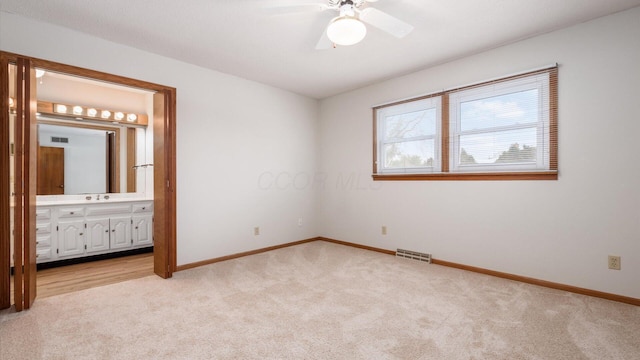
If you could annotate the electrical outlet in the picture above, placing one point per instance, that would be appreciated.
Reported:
(384, 230)
(614, 262)
(256, 230)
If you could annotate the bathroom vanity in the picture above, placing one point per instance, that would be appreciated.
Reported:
(73, 229)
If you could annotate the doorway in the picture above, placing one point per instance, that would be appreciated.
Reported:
(50, 170)
(164, 198)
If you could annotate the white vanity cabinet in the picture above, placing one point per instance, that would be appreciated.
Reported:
(121, 237)
(70, 228)
(70, 237)
(116, 218)
(71, 231)
(142, 224)
(44, 251)
(97, 235)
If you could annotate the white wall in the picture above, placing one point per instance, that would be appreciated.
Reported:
(85, 157)
(229, 132)
(561, 231)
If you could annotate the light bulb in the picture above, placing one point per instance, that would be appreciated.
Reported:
(346, 30)
(11, 102)
(62, 109)
(39, 73)
(92, 112)
(132, 117)
(105, 114)
(77, 110)
(118, 116)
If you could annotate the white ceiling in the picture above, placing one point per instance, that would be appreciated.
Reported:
(243, 38)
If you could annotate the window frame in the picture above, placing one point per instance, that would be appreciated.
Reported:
(425, 103)
(548, 170)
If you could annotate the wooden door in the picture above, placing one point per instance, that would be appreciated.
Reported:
(6, 189)
(25, 174)
(164, 179)
(50, 170)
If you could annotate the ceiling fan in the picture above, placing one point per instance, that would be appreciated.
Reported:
(348, 27)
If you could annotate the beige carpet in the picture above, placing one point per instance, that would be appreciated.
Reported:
(322, 301)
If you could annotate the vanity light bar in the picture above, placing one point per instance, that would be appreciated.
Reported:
(90, 113)
(78, 110)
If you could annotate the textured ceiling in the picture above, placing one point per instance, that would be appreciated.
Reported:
(245, 38)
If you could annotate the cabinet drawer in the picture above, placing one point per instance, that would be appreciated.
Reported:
(43, 255)
(43, 214)
(108, 210)
(143, 207)
(43, 227)
(65, 212)
(43, 241)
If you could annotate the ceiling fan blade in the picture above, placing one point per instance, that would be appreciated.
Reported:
(324, 43)
(385, 22)
(291, 8)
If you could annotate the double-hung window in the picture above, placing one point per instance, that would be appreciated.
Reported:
(410, 137)
(502, 129)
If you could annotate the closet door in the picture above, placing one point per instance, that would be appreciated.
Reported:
(24, 183)
(164, 178)
(18, 139)
(7, 74)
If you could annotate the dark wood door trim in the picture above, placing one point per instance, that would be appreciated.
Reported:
(5, 187)
(30, 183)
(164, 177)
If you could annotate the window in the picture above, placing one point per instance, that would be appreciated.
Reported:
(409, 137)
(503, 129)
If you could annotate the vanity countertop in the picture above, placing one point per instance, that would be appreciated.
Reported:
(93, 201)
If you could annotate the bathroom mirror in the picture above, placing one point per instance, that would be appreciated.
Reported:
(88, 153)
(76, 159)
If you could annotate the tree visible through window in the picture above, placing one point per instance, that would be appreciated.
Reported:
(410, 137)
(503, 127)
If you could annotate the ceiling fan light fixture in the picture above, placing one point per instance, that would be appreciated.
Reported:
(346, 30)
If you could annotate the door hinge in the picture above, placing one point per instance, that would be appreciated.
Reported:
(57, 229)
(85, 225)
(85, 246)
(57, 251)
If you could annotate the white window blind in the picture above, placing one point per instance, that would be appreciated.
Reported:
(502, 126)
(409, 137)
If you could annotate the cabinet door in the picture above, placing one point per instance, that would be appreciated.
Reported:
(142, 230)
(70, 238)
(43, 248)
(97, 235)
(120, 232)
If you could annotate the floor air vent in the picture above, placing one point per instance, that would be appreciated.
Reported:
(413, 255)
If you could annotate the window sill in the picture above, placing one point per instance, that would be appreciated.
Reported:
(538, 175)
